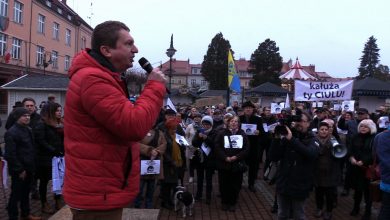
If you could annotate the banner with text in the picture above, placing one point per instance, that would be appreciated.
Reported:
(322, 91)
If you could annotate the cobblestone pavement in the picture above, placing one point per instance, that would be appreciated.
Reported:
(250, 206)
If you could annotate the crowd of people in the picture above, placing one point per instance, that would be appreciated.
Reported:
(31, 141)
(306, 155)
(103, 136)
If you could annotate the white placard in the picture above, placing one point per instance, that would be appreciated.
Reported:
(276, 108)
(237, 141)
(4, 173)
(150, 167)
(181, 140)
(58, 174)
(348, 106)
(249, 129)
(265, 127)
(272, 127)
(171, 105)
(322, 91)
(337, 107)
(383, 122)
(205, 149)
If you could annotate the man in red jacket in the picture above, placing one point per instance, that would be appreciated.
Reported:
(102, 126)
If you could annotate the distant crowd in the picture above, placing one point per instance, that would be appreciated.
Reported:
(316, 149)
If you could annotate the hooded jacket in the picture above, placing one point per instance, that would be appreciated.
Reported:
(101, 130)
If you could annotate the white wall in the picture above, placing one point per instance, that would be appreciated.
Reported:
(371, 103)
(38, 96)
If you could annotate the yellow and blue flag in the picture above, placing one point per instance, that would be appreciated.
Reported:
(233, 78)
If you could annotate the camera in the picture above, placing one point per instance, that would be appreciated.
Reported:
(280, 129)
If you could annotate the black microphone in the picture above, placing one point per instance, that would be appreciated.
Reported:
(148, 67)
(145, 65)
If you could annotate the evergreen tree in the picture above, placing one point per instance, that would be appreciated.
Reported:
(265, 64)
(215, 63)
(370, 59)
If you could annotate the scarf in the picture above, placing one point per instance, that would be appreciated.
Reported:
(176, 155)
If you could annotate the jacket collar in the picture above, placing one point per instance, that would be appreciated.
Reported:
(102, 60)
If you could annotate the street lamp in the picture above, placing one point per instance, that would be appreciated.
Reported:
(170, 52)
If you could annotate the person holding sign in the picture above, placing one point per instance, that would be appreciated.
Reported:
(255, 133)
(231, 149)
(204, 142)
(152, 147)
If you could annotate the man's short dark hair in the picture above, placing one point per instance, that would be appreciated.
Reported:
(28, 99)
(107, 34)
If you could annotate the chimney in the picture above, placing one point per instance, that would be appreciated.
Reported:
(63, 1)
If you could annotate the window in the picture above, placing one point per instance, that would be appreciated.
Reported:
(16, 45)
(203, 82)
(3, 44)
(69, 17)
(4, 8)
(40, 55)
(54, 59)
(67, 62)
(41, 24)
(67, 37)
(193, 82)
(179, 81)
(83, 43)
(18, 12)
(56, 31)
(59, 10)
(48, 3)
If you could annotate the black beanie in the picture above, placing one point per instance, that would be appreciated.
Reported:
(19, 112)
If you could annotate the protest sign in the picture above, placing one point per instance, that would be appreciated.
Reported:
(322, 91)
(383, 122)
(276, 108)
(205, 149)
(237, 141)
(249, 129)
(181, 140)
(348, 106)
(150, 167)
(337, 107)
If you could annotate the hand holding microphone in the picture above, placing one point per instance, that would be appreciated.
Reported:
(154, 74)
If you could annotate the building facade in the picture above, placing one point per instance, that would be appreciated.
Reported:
(38, 37)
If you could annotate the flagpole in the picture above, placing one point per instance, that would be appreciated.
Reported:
(228, 86)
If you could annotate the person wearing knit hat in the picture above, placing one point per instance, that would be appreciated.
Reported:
(207, 119)
(204, 143)
(20, 155)
(361, 158)
(19, 112)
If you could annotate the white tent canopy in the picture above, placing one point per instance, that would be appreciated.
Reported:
(297, 72)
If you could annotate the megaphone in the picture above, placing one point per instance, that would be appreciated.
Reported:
(338, 150)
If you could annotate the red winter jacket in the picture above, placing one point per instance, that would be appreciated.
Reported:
(101, 130)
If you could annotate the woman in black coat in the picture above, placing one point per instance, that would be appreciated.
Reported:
(49, 139)
(204, 143)
(231, 149)
(361, 158)
(328, 172)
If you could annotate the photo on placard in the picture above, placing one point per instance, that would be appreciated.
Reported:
(275, 108)
(348, 106)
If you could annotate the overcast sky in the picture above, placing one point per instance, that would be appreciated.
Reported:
(330, 34)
